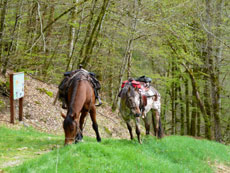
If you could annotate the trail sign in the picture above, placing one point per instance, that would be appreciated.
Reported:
(16, 92)
(18, 83)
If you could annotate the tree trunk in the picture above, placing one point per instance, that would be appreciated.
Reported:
(72, 32)
(75, 42)
(87, 34)
(128, 54)
(193, 116)
(208, 133)
(94, 34)
(214, 77)
(173, 89)
(198, 123)
(2, 27)
(122, 72)
(215, 73)
(187, 107)
(181, 112)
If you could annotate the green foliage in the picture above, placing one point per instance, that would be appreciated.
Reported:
(171, 154)
(43, 90)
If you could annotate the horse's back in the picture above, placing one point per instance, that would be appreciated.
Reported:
(81, 93)
(85, 92)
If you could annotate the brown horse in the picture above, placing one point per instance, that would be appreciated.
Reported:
(80, 101)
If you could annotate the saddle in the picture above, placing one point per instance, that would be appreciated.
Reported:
(145, 90)
(80, 74)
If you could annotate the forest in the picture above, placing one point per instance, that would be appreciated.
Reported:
(182, 45)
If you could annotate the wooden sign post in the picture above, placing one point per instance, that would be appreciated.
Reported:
(16, 92)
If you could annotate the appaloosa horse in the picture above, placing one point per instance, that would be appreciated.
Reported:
(80, 101)
(136, 101)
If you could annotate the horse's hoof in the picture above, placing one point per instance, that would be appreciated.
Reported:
(78, 141)
(99, 104)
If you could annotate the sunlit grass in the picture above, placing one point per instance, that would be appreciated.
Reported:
(19, 145)
(171, 154)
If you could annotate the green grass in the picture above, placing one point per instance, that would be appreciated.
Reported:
(26, 143)
(171, 154)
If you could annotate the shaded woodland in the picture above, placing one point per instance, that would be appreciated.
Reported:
(182, 45)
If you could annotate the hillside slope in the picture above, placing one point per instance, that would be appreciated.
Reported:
(40, 113)
(170, 154)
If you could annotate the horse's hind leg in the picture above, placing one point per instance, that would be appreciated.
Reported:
(147, 125)
(153, 122)
(95, 126)
(138, 132)
(157, 124)
(130, 129)
(79, 136)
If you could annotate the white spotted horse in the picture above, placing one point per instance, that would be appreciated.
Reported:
(137, 100)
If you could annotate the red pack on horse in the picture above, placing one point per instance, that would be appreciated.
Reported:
(80, 99)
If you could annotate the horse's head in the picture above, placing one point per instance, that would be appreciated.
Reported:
(70, 129)
(132, 99)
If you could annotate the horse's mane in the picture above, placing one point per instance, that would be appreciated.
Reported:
(75, 85)
(125, 90)
(67, 122)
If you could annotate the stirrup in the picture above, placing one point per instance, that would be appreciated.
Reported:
(100, 103)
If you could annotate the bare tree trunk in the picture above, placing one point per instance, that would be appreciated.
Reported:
(11, 47)
(21, 5)
(87, 34)
(194, 111)
(72, 32)
(128, 54)
(163, 114)
(198, 123)
(94, 34)
(121, 74)
(181, 111)
(74, 59)
(214, 76)
(215, 73)
(134, 25)
(208, 133)
(2, 27)
(187, 107)
(129, 65)
(173, 88)
(48, 41)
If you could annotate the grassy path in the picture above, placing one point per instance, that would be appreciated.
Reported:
(17, 146)
(171, 154)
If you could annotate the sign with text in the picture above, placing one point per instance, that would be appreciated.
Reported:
(18, 85)
(16, 92)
